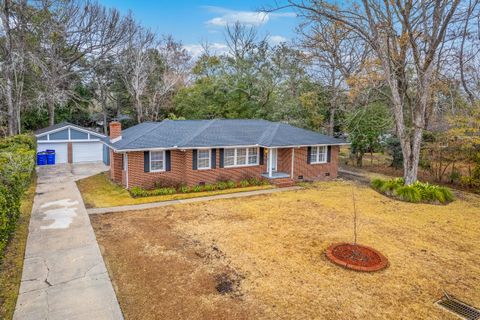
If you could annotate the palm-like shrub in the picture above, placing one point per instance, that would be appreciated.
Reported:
(408, 193)
(417, 192)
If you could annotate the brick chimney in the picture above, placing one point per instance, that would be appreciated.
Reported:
(115, 130)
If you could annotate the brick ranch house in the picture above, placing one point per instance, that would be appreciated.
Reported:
(195, 152)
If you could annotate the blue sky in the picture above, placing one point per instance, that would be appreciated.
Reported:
(195, 22)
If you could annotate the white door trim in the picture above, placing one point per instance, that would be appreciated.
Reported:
(272, 161)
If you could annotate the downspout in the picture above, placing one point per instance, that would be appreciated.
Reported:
(126, 170)
(293, 157)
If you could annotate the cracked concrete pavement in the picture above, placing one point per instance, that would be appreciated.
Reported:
(64, 276)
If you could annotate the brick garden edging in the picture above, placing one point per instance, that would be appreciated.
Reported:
(367, 267)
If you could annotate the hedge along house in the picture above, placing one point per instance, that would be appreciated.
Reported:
(72, 143)
(195, 152)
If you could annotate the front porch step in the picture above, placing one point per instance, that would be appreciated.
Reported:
(282, 182)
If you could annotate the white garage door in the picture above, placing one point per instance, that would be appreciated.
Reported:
(87, 151)
(61, 150)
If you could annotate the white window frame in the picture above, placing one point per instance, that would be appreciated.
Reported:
(235, 165)
(150, 161)
(209, 159)
(316, 153)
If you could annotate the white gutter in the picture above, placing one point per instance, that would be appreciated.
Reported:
(224, 147)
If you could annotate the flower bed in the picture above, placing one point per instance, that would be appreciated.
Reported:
(418, 192)
(356, 257)
(138, 192)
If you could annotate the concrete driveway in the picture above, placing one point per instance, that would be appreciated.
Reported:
(64, 276)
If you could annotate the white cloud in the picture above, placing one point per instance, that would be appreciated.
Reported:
(276, 40)
(216, 48)
(243, 17)
(251, 18)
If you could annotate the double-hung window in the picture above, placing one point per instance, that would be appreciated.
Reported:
(241, 157)
(238, 157)
(203, 159)
(252, 155)
(157, 161)
(229, 157)
(319, 154)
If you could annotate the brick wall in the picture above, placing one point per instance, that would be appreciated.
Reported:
(116, 166)
(182, 170)
(194, 177)
(284, 160)
(315, 171)
(137, 176)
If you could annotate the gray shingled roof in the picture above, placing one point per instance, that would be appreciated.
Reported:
(62, 125)
(170, 134)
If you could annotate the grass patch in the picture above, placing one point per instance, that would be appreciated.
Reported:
(168, 263)
(99, 191)
(423, 192)
(11, 265)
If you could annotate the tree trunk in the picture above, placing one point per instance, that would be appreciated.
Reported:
(331, 122)
(7, 67)
(139, 108)
(104, 109)
(411, 156)
(359, 158)
(12, 119)
(105, 126)
(51, 112)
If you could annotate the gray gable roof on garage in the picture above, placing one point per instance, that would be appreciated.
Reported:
(173, 134)
(59, 126)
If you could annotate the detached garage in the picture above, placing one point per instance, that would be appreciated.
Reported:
(72, 143)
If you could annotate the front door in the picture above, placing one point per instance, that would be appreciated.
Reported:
(272, 155)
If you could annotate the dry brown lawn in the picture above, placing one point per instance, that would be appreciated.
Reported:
(267, 253)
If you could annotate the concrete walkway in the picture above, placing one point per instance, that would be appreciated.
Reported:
(64, 276)
(191, 200)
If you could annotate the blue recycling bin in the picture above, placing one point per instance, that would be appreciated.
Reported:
(50, 156)
(41, 158)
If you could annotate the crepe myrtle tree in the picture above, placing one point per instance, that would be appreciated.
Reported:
(410, 39)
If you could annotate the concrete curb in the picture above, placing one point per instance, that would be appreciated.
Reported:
(151, 205)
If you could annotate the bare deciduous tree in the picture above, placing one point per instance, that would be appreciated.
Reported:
(72, 34)
(136, 66)
(469, 48)
(172, 67)
(407, 38)
(336, 53)
(12, 16)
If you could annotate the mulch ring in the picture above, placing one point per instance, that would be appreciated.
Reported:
(356, 257)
